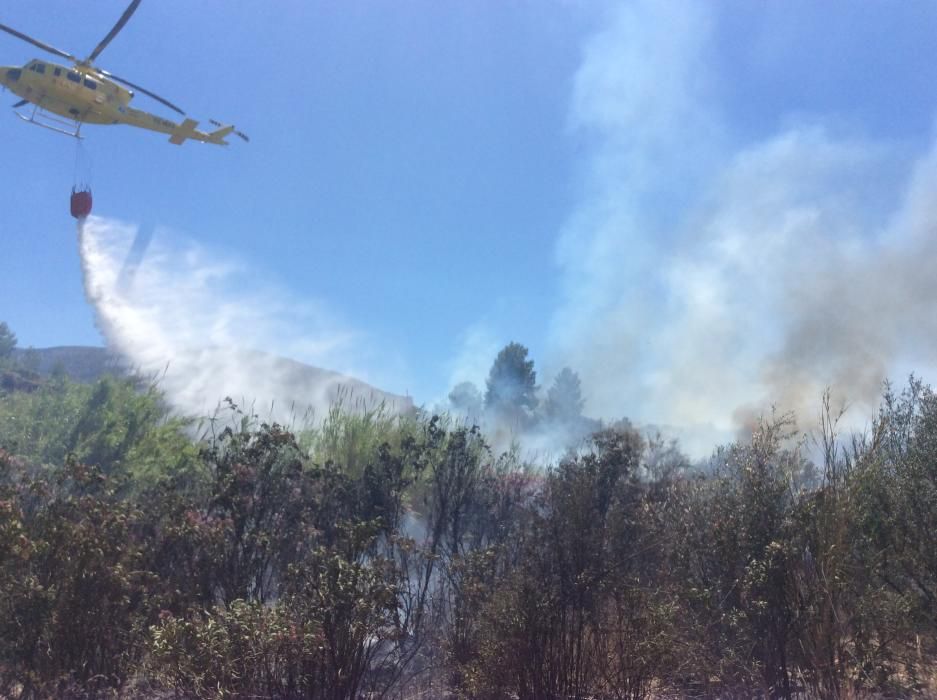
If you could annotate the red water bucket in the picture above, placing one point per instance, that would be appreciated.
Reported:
(81, 203)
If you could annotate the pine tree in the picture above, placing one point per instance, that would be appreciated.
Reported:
(564, 400)
(7, 341)
(512, 381)
(465, 398)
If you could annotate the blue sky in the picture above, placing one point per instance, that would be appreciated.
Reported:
(439, 178)
(407, 161)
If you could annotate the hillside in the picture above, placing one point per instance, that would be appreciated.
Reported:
(299, 383)
(79, 363)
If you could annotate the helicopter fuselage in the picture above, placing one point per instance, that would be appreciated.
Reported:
(66, 98)
(84, 96)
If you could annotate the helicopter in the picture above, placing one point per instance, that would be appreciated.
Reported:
(65, 98)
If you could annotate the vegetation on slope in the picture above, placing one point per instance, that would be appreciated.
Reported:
(378, 556)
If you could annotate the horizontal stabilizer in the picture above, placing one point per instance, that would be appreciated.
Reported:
(186, 130)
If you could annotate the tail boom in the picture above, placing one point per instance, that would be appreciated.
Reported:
(178, 133)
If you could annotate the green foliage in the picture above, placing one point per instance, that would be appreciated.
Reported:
(907, 465)
(512, 381)
(579, 559)
(564, 399)
(7, 342)
(242, 650)
(111, 425)
(15, 375)
(37, 425)
(377, 556)
(258, 498)
(352, 435)
(73, 591)
(466, 400)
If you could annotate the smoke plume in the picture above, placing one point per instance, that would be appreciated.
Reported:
(706, 280)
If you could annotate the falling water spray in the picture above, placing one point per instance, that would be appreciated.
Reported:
(178, 314)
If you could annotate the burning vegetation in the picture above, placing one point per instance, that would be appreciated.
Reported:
(399, 556)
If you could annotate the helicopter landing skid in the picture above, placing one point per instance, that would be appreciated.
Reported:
(52, 122)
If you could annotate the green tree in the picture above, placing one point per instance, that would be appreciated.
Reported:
(466, 399)
(564, 399)
(512, 381)
(7, 341)
(16, 376)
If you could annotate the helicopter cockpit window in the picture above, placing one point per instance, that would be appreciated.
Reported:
(74, 77)
(14, 74)
(91, 84)
(58, 72)
(40, 67)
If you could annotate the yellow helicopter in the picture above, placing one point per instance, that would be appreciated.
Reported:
(64, 99)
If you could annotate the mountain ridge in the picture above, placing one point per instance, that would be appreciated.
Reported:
(87, 364)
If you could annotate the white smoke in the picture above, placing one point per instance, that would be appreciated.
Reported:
(702, 279)
(191, 320)
(704, 282)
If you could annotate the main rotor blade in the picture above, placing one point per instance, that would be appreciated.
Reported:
(143, 90)
(128, 13)
(36, 42)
